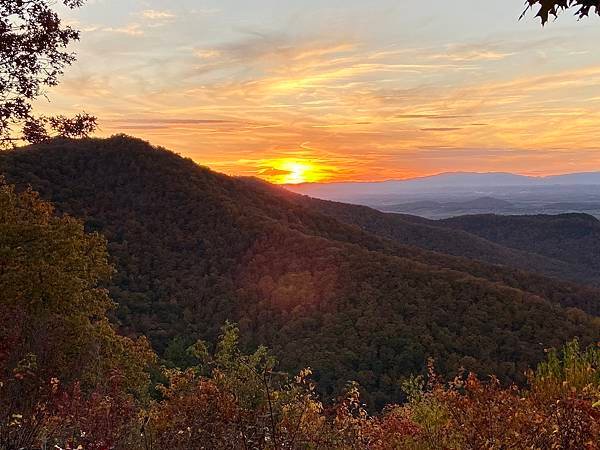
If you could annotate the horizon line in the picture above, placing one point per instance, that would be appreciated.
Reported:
(459, 172)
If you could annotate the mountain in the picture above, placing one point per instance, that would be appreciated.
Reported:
(340, 191)
(563, 246)
(572, 238)
(458, 182)
(432, 209)
(587, 179)
(194, 248)
(469, 179)
(441, 237)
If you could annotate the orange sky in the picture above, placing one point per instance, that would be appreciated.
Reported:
(332, 91)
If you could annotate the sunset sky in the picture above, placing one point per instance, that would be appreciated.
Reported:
(332, 90)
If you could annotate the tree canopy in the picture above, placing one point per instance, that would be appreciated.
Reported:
(194, 248)
(34, 51)
(55, 339)
(547, 8)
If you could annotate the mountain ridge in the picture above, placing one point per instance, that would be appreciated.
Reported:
(474, 184)
(194, 248)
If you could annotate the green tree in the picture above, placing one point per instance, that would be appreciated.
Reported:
(33, 55)
(55, 337)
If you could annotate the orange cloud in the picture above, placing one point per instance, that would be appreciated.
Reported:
(313, 108)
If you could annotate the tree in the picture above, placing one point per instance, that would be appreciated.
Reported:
(58, 352)
(549, 8)
(33, 56)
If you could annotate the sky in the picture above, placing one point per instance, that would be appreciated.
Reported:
(341, 90)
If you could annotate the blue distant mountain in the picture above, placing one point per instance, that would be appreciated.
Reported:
(450, 180)
(587, 178)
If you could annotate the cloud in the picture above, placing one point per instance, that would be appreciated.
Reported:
(441, 129)
(273, 172)
(207, 54)
(149, 18)
(153, 14)
(429, 116)
(176, 121)
(132, 29)
(359, 109)
(472, 53)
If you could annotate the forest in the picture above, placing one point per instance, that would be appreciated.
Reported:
(68, 380)
(194, 249)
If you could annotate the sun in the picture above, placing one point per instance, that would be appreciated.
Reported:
(291, 171)
(299, 172)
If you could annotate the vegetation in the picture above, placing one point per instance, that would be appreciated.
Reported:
(68, 380)
(194, 249)
(547, 8)
(353, 305)
(58, 352)
(571, 238)
(245, 404)
(231, 400)
(557, 246)
(553, 249)
(33, 54)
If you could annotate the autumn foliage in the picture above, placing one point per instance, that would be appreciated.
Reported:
(59, 356)
(242, 403)
(68, 379)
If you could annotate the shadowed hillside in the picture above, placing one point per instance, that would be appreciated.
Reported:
(572, 238)
(444, 237)
(194, 248)
(473, 254)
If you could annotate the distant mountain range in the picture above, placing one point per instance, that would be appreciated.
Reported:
(453, 194)
(454, 180)
(432, 209)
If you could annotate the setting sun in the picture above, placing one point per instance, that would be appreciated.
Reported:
(298, 172)
(293, 171)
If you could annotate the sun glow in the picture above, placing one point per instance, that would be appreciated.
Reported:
(298, 172)
(292, 171)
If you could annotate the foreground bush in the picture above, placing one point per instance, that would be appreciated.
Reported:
(243, 404)
(65, 374)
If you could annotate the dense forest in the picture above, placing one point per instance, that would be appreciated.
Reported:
(564, 246)
(572, 238)
(68, 380)
(193, 249)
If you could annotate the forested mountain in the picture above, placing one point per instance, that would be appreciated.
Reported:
(572, 238)
(566, 246)
(450, 238)
(193, 248)
(445, 240)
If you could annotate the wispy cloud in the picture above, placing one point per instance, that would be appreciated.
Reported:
(153, 14)
(246, 98)
(132, 29)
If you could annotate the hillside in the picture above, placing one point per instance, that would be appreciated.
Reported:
(443, 237)
(194, 248)
(564, 246)
(572, 238)
(438, 237)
